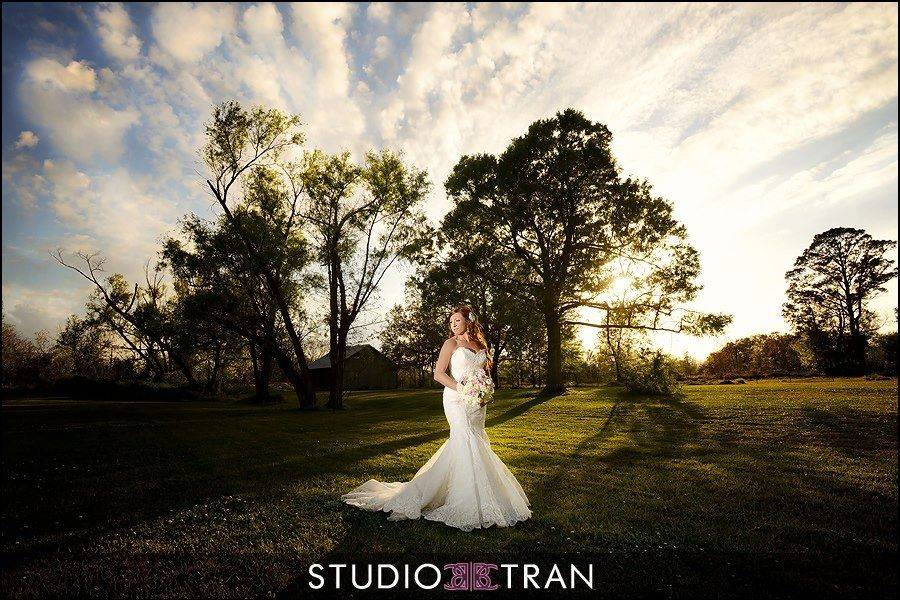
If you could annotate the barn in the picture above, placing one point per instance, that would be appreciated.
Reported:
(365, 368)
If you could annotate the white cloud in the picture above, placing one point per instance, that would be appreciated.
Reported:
(379, 11)
(382, 47)
(116, 32)
(120, 213)
(321, 28)
(263, 22)
(188, 31)
(32, 310)
(21, 183)
(68, 189)
(27, 139)
(74, 77)
(57, 99)
(273, 72)
(80, 128)
(453, 98)
(129, 214)
(817, 187)
(334, 119)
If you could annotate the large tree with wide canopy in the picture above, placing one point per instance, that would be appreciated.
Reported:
(556, 212)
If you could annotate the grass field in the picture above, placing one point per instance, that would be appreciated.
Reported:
(786, 486)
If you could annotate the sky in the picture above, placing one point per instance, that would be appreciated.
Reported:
(762, 124)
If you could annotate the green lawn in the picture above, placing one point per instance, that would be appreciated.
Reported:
(784, 485)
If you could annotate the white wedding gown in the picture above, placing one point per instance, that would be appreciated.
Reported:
(464, 484)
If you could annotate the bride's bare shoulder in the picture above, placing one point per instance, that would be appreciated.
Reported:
(449, 343)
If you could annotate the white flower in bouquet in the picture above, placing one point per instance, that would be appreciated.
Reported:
(476, 389)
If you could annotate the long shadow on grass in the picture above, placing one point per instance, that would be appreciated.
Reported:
(656, 427)
(519, 409)
(850, 432)
(620, 408)
(773, 486)
(362, 453)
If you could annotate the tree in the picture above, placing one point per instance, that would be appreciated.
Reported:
(757, 355)
(237, 142)
(882, 355)
(140, 317)
(526, 352)
(446, 285)
(26, 362)
(652, 373)
(555, 203)
(617, 340)
(828, 290)
(413, 335)
(218, 278)
(82, 344)
(687, 366)
(576, 366)
(365, 218)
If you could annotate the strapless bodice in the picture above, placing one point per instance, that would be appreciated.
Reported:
(464, 361)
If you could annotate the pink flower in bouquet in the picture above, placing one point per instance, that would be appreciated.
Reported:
(477, 389)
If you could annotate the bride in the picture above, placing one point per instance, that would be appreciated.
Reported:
(464, 484)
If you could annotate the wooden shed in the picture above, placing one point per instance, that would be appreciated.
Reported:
(365, 368)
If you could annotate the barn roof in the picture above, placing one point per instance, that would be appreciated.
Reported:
(324, 362)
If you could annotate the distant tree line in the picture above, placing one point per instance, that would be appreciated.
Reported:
(780, 354)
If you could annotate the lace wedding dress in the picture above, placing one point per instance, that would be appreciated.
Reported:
(464, 484)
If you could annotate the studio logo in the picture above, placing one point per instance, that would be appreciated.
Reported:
(457, 576)
(470, 576)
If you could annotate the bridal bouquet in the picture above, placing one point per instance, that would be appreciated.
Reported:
(476, 389)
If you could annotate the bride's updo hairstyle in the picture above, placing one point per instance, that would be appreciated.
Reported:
(473, 329)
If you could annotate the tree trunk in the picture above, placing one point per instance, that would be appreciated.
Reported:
(266, 369)
(533, 373)
(495, 365)
(495, 377)
(262, 371)
(857, 354)
(554, 384)
(254, 361)
(300, 379)
(266, 364)
(213, 385)
(614, 350)
(306, 395)
(156, 364)
(338, 327)
(336, 387)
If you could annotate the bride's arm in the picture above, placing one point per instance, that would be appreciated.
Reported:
(443, 361)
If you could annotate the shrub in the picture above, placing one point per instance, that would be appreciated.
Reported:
(881, 355)
(650, 376)
(93, 389)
